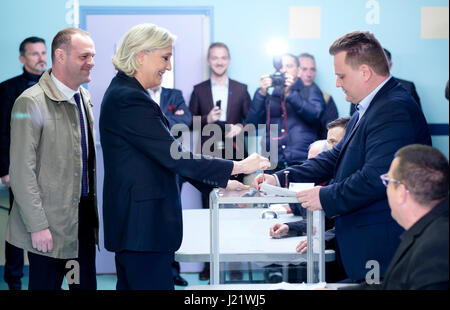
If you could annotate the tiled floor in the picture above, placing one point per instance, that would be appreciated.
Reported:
(104, 281)
(108, 281)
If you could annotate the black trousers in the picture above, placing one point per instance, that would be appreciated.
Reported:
(47, 273)
(144, 270)
(13, 259)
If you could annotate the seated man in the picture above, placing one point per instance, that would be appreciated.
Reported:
(417, 190)
(336, 131)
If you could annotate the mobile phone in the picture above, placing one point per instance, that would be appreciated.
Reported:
(219, 103)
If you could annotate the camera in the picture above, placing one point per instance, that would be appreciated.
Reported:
(278, 78)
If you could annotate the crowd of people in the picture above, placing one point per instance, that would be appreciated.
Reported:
(48, 160)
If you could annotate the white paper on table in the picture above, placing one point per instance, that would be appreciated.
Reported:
(279, 208)
(296, 187)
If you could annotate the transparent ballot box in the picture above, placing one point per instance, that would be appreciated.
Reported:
(239, 224)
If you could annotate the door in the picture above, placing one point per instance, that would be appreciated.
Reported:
(107, 26)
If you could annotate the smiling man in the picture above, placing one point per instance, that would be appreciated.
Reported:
(54, 216)
(220, 100)
(387, 120)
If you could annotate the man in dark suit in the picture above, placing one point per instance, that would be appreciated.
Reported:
(387, 120)
(172, 104)
(417, 190)
(33, 56)
(408, 85)
(220, 100)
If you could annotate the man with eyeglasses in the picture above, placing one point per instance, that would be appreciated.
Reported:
(417, 190)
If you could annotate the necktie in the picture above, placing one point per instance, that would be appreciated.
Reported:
(84, 176)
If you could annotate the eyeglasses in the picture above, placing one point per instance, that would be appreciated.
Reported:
(386, 180)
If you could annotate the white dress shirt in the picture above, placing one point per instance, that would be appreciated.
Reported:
(220, 92)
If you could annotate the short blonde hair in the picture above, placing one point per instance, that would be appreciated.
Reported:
(142, 37)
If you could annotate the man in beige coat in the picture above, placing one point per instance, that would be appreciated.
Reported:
(52, 170)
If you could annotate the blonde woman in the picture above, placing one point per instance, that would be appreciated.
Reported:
(141, 201)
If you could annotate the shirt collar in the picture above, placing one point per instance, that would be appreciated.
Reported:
(364, 104)
(155, 90)
(65, 91)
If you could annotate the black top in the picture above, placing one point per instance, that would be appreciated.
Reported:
(9, 91)
(421, 260)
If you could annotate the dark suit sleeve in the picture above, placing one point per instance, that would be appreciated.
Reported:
(195, 108)
(318, 169)
(297, 228)
(175, 97)
(144, 128)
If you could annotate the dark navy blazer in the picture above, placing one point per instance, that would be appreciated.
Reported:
(357, 198)
(141, 199)
(171, 101)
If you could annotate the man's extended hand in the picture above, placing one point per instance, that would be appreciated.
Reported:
(279, 230)
(260, 178)
(42, 240)
(310, 198)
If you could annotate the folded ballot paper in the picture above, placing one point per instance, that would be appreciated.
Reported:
(280, 191)
(277, 209)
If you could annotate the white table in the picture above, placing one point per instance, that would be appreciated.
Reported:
(244, 237)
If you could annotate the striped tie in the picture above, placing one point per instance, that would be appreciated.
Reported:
(84, 176)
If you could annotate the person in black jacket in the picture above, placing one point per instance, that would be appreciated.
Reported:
(33, 56)
(417, 190)
(141, 200)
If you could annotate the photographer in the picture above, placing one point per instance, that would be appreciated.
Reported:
(297, 115)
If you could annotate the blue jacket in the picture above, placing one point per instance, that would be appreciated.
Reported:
(141, 199)
(302, 122)
(171, 101)
(357, 198)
